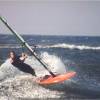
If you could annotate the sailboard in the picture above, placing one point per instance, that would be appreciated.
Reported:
(48, 79)
(52, 78)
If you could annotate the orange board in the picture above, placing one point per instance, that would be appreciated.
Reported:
(48, 79)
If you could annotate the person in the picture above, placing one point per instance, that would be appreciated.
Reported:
(15, 60)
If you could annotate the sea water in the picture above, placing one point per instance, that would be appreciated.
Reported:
(62, 54)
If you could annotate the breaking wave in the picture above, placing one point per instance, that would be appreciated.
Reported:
(5, 46)
(71, 46)
(59, 45)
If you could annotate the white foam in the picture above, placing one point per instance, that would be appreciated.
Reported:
(59, 45)
(10, 46)
(8, 70)
(71, 46)
(54, 62)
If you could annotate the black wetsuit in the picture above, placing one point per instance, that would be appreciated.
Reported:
(23, 66)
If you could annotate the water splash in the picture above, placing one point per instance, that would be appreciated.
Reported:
(53, 62)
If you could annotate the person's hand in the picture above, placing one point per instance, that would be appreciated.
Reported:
(26, 55)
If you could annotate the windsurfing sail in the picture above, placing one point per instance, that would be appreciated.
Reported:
(24, 43)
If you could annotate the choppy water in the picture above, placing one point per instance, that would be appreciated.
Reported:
(64, 53)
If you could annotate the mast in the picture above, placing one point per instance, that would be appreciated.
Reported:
(26, 45)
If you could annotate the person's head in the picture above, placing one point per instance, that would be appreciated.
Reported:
(12, 54)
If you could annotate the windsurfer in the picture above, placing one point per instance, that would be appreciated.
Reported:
(18, 62)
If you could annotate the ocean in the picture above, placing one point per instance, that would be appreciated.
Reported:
(76, 53)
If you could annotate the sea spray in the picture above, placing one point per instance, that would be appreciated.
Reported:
(53, 62)
(24, 87)
(7, 70)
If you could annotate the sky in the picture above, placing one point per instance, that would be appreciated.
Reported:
(52, 17)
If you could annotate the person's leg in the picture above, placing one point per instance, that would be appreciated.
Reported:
(25, 68)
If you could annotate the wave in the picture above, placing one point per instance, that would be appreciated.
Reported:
(59, 45)
(10, 46)
(71, 46)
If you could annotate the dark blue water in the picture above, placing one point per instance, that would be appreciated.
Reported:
(81, 54)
